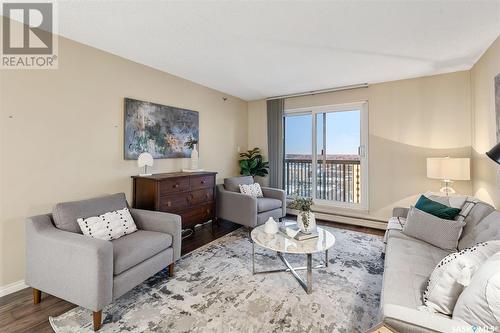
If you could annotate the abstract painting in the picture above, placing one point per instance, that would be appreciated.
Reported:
(160, 130)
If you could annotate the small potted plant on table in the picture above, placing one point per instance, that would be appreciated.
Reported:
(305, 218)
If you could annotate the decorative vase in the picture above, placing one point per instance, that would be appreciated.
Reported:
(310, 221)
(271, 227)
(194, 158)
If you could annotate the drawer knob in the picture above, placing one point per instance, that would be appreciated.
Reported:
(176, 185)
(169, 204)
(203, 181)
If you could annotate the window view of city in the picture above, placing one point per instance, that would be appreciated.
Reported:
(338, 173)
(337, 177)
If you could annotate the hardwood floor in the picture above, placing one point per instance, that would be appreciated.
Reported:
(18, 314)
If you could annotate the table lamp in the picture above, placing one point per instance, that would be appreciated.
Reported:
(145, 160)
(447, 170)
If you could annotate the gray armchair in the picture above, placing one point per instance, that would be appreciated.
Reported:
(246, 210)
(90, 272)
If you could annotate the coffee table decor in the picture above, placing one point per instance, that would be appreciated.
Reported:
(282, 244)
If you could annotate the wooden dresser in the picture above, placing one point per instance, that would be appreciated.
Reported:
(190, 195)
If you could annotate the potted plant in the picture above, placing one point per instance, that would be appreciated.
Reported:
(253, 164)
(191, 144)
(305, 218)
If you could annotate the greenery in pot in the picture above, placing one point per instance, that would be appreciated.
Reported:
(191, 142)
(253, 164)
(303, 205)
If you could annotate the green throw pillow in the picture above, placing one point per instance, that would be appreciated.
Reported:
(437, 209)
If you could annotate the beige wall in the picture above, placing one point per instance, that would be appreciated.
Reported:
(409, 120)
(62, 135)
(486, 173)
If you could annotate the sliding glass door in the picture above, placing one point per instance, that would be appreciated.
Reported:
(326, 154)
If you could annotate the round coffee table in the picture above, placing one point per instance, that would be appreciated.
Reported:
(281, 243)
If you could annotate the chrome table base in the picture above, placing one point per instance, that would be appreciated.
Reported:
(307, 285)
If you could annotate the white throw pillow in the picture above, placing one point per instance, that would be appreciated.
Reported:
(479, 303)
(253, 189)
(108, 226)
(453, 273)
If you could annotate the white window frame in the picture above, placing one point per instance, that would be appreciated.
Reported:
(364, 151)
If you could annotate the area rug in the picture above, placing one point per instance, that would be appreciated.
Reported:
(214, 290)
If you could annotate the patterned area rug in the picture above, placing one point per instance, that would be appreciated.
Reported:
(214, 290)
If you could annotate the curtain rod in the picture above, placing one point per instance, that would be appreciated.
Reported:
(322, 91)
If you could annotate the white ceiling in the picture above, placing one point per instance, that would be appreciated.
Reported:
(255, 50)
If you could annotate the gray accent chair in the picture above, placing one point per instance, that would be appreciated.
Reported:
(246, 210)
(408, 265)
(89, 272)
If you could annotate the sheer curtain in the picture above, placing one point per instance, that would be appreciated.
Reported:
(275, 111)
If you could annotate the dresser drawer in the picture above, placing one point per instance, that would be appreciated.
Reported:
(198, 182)
(174, 202)
(198, 214)
(201, 196)
(172, 185)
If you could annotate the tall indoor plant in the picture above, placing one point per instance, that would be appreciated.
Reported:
(253, 164)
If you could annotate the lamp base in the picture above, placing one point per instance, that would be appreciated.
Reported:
(447, 189)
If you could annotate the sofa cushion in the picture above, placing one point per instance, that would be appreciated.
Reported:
(266, 204)
(134, 248)
(438, 209)
(253, 190)
(233, 184)
(474, 225)
(479, 303)
(434, 230)
(453, 273)
(66, 214)
(404, 283)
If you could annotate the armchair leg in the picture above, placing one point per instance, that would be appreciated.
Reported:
(97, 316)
(171, 270)
(37, 296)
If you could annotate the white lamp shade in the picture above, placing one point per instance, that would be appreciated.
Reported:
(145, 159)
(447, 168)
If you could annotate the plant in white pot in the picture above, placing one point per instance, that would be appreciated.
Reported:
(305, 218)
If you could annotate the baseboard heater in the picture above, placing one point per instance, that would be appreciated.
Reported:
(347, 219)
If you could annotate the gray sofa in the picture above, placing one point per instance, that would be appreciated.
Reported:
(90, 272)
(409, 263)
(246, 210)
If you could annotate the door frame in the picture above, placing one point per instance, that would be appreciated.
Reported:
(364, 149)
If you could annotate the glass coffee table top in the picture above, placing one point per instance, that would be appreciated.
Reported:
(281, 243)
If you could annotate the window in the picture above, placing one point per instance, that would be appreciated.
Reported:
(326, 154)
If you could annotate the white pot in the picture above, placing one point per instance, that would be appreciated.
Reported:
(194, 158)
(311, 226)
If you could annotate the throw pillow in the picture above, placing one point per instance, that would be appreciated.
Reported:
(433, 230)
(254, 190)
(479, 303)
(437, 209)
(453, 273)
(108, 226)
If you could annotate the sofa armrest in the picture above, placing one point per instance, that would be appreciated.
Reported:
(400, 212)
(236, 207)
(160, 222)
(68, 265)
(404, 319)
(275, 193)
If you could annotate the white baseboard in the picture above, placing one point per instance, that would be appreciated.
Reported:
(12, 288)
(341, 218)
